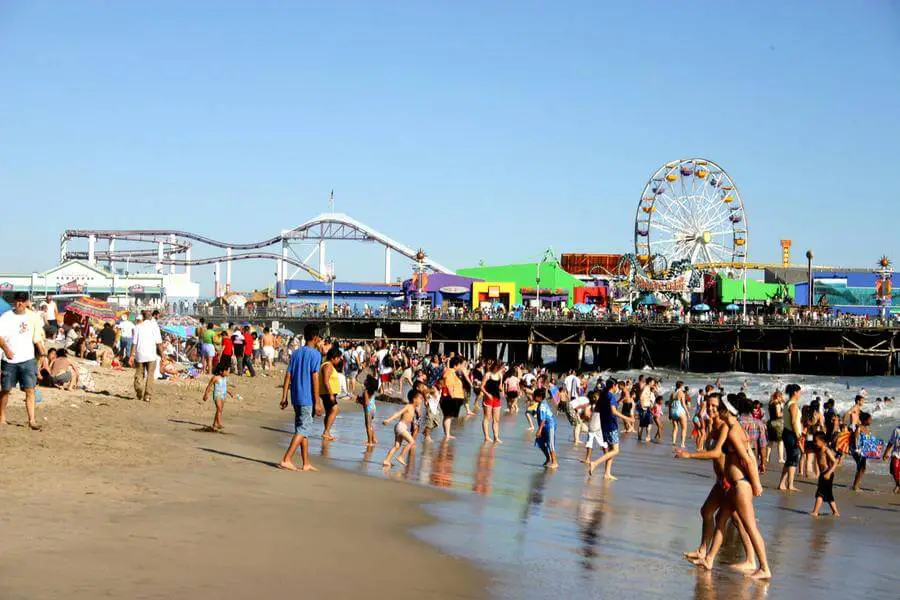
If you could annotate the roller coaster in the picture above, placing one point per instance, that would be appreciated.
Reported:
(173, 248)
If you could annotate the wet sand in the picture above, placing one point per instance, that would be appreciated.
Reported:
(117, 498)
(559, 534)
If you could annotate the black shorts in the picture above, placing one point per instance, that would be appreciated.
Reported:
(860, 460)
(450, 406)
(825, 489)
(328, 402)
(791, 448)
(512, 396)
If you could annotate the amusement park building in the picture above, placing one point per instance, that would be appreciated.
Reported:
(852, 292)
(357, 295)
(557, 286)
(76, 277)
(441, 289)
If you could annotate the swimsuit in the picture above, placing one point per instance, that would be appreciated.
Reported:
(825, 488)
(220, 389)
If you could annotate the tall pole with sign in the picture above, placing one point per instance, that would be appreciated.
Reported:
(884, 272)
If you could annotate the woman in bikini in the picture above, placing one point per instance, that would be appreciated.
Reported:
(741, 482)
(718, 435)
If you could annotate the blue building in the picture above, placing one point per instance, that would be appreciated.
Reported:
(357, 295)
(851, 291)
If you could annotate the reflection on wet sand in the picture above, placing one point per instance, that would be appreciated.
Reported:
(558, 533)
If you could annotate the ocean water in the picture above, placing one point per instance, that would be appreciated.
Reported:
(559, 533)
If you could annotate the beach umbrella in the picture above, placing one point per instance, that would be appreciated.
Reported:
(179, 330)
(178, 321)
(701, 307)
(732, 308)
(236, 300)
(4, 306)
(92, 309)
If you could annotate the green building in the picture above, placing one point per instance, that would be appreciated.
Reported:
(524, 275)
(732, 291)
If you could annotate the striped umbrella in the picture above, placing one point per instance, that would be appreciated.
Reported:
(92, 309)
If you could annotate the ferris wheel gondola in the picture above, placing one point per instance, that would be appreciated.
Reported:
(691, 212)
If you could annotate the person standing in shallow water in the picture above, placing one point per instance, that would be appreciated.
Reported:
(793, 429)
(609, 411)
(302, 381)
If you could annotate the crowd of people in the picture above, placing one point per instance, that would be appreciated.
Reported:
(739, 435)
(729, 429)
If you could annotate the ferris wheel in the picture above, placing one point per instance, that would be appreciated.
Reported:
(691, 215)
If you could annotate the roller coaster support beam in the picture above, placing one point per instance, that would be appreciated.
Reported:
(92, 243)
(218, 281)
(228, 270)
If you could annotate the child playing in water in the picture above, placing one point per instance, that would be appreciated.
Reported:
(657, 412)
(595, 426)
(827, 464)
(403, 428)
(545, 437)
(892, 450)
(367, 400)
(531, 408)
(432, 411)
(218, 385)
(861, 441)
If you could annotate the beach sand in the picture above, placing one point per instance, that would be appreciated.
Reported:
(120, 498)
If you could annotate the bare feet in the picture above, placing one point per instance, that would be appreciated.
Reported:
(34, 426)
(287, 466)
(793, 489)
(328, 437)
(529, 429)
(498, 441)
(387, 464)
(813, 514)
(401, 461)
(693, 556)
(449, 437)
(590, 469)
(553, 466)
(610, 478)
(704, 563)
(309, 468)
(761, 574)
(746, 567)
(835, 514)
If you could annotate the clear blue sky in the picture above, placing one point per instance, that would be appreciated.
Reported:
(478, 130)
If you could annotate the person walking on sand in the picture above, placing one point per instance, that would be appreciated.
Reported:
(452, 395)
(405, 418)
(218, 387)
(827, 464)
(20, 334)
(717, 496)
(302, 381)
(860, 443)
(330, 388)
(742, 479)
(609, 413)
(367, 400)
(792, 430)
(146, 350)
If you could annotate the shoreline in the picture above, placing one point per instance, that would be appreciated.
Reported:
(117, 497)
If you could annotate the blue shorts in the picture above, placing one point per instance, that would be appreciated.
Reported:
(611, 437)
(23, 374)
(207, 350)
(547, 440)
(125, 346)
(303, 419)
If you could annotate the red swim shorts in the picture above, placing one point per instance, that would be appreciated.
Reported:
(895, 468)
(491, 402)
(385, 378)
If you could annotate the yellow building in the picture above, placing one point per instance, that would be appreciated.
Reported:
(503, 292)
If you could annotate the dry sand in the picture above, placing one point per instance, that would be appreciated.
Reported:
(119, 498)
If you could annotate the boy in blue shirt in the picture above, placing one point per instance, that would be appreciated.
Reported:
(545, 437)
(608, 407)
(302, 380)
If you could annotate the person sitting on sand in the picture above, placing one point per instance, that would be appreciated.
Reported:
(545, 436)
(827, 464)
(367, 400)
(63, 374)
(218, 386)
(44, 367)
(403, 429)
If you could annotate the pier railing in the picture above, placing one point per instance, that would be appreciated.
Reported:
(532, 316)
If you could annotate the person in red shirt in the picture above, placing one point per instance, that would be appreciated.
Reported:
(247, 359)
(227, 350)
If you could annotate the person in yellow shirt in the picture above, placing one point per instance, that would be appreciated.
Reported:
(329, 388)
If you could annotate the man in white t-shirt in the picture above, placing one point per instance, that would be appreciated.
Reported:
(19, 334)
(126, 335)
(571, 384)
(146, 348)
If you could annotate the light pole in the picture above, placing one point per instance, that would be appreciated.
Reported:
(809, 279)
(331, 278)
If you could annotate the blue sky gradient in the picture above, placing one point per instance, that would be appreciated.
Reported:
(478, 130)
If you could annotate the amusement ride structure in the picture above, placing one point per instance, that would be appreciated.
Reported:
(690, 220)
(172, 248)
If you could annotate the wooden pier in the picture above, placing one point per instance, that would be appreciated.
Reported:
(580, 344)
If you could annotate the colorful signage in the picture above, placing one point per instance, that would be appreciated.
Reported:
(73, 287)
